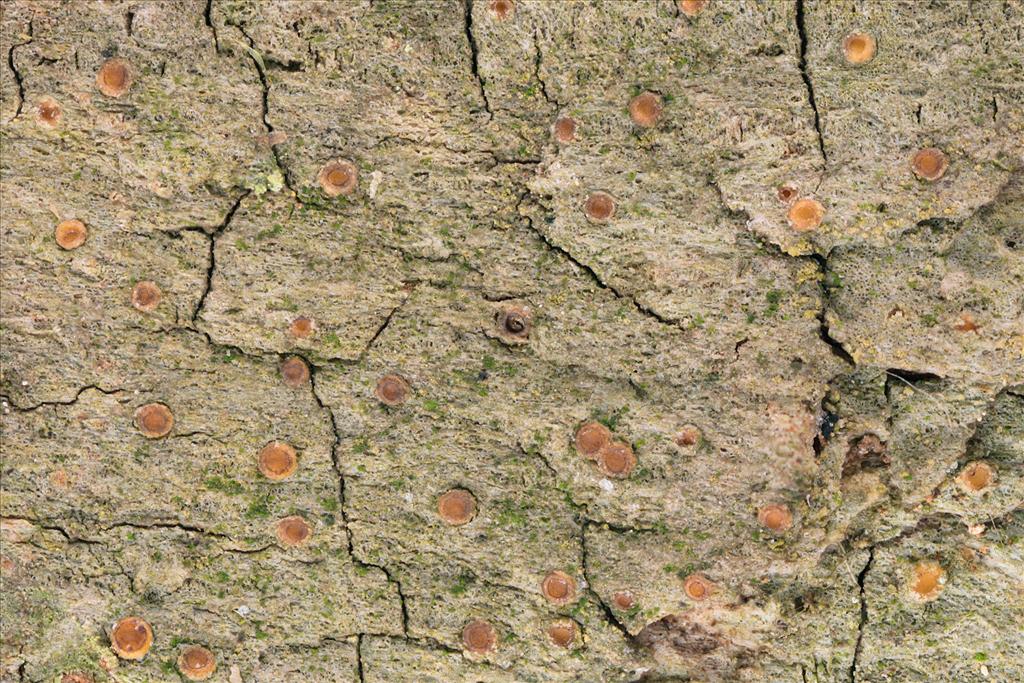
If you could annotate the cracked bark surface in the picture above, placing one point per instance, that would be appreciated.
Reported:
(696, 305)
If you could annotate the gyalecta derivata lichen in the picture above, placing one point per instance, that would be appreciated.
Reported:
(511, 340)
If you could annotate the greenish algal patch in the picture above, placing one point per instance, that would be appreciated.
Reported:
(611, 420)
(267, 233)
(258, 508)
(773, 296)
(224, 485)
(579, 608)
(510, 513)
(285, 304)
(462, 584)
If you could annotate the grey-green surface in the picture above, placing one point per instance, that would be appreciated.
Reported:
(695, 305)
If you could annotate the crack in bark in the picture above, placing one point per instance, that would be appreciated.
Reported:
(824, 332)
(342, 509)
(474, 62)
(166, 525)
(53, 525)
(609, 615)
(380, 330)
(42, 404)
(581, 513)
(971, 445)
(528, 452)
(863, 614)
(537, 62)
(18, 78)
(208, 19)
(909, 378)
(802, 31)
(359, 657)
(212, 236)
(261, 70)
(595, 278)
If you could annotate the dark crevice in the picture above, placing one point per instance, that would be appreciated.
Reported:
(129, 20)
(42, 404)
(423, 641)
(826, 420)
(380, 330)
(221, 346)
(165, 525)
(359, 658)
(824, 333)
(911, 376)
(529, 452)
(53, 525)
(741, 215)
(538, 60)
(212, 237)
(807, 79)
(907, 377)
(186, 435)
(18, 78)
(248, 551)
(474, 63)
(587, 269)
(738, 345)
(342, 506)
(580, 513)
(261, 71)
(863, 614)
(609, 615)
(208, 18)
(68, 536)
(585, 518)
(398, 589)
(291, 65)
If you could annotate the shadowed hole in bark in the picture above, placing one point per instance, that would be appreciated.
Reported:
(706, 653)
(865, 452)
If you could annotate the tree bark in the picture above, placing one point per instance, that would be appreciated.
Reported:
(706, 316)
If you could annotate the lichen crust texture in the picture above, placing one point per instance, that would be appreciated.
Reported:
(511, 341)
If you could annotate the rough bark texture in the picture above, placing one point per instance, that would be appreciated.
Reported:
(851, 373)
